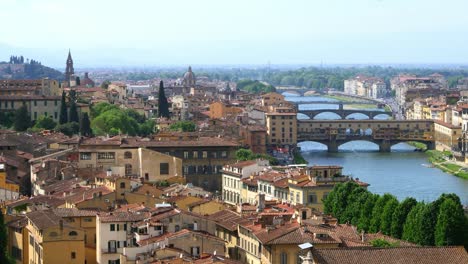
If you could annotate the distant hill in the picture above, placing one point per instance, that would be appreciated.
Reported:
(19, 68)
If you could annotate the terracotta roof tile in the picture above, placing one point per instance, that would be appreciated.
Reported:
(398, 255)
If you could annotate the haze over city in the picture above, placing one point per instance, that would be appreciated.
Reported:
(155, 33)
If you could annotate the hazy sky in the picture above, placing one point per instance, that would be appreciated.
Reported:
(161, 32)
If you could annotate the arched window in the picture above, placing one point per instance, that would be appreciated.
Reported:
(122, 185)
(128, 169)
(73, 233)
(127, 155)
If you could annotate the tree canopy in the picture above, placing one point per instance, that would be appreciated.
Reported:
(409, 220)
(22, 119)
(255, 86)
(183, 126)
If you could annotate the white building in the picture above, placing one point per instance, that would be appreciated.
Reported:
(234, 173)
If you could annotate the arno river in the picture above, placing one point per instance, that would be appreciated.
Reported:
(403, 172)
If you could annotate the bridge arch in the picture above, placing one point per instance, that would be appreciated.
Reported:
(317, 116)
(353, 115)
(375, 145)
(320, 145)
(291, 92)
(379, 116)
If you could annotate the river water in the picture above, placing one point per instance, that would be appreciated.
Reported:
(402, 172)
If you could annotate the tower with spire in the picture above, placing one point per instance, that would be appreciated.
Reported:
(69, 71)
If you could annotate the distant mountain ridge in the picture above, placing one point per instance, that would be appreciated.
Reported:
(19, 68)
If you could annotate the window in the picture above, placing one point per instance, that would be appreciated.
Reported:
(195, 154)
(112, 246)
(87, 219)
(128, 169)
(106, 155)
(56, 102)
(73, 255)
(205, 154)
(312, 198)
(127, 155)
(223, 154)
(16, 253)
(112, 227)
(35, 103)
(122, 185)
(31, 240)
(45, 102)
(35, 115)
(73, 233)
(125, 227)
(85, 156)
(55, 115)
(164, 168)
(284, 258)
(186, 154)
(195, 251)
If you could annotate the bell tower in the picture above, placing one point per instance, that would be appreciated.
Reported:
(69, 71)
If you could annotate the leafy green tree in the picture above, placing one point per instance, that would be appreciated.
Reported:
(147, 128)
(63, 117)
(163, 105)
(366, 212)
(7, 119)
(45, 122)
(377, 211)
(244, 154)
(105, 84)
(85, 126)
(352, 212)
(73, 108)
(399, 216)
(22, 119)
(451, 224)
(254, 86)
(114, 121)
(183, 126)
(337, 200)
(102, 107)
(68, 129)
(387, 214)
(4, 258)
(412, 226)
(382, 243)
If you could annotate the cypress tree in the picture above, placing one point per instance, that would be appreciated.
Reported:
(386, 219)
(450, 228)
(377, 211)
(73, 109)
(399, 216)
(411, 228)
(163, 105)
(63, 118)
(22, 119)
(85, 126)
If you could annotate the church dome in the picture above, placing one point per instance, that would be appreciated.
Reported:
(189, 78)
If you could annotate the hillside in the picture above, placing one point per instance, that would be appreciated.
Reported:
(17, 68)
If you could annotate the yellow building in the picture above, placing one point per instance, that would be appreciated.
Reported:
(281, 126)
(8, 190)
(269, 99)
(446, 135)
(53, 241)
(86, 220)
(221, 110)
(17, 238)
(311, 188)
(109, 154)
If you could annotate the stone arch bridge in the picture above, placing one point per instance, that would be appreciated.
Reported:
(343, 113)
(384, 133)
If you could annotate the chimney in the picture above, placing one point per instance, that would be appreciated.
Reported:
(261, 202)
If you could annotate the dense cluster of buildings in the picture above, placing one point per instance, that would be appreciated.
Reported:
(370, 87)
(176, 197)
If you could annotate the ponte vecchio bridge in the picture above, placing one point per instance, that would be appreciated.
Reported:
(343, 113)
(384, 133)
